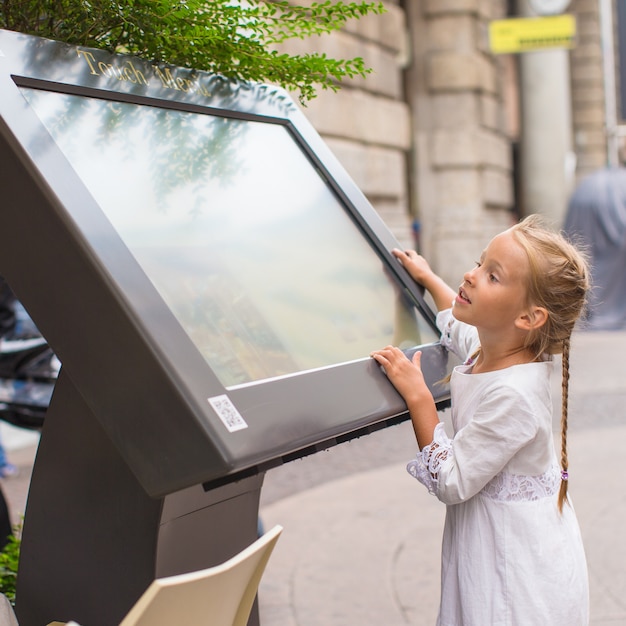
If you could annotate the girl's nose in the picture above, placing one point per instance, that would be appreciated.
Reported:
(468, 277)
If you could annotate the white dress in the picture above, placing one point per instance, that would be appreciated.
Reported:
(509, 558)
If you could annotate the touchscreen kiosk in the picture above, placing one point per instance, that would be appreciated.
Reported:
(208, 274)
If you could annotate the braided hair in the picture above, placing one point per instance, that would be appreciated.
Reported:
(559, 282)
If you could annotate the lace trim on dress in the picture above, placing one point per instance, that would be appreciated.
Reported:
(505, 487)
(427, 465)
(448, 343)
(446, 334)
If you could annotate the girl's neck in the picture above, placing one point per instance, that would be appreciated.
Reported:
(490, 360)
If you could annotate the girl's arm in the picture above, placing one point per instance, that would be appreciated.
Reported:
(420, 271)
(406, 376)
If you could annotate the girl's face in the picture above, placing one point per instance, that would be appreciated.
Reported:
(494, 294)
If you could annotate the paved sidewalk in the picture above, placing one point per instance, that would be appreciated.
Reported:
(365, 549)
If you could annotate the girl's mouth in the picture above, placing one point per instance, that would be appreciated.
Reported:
(462, 297)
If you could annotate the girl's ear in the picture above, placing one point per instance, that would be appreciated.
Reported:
(533, 318)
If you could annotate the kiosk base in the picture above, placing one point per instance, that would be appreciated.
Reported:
(93, 540)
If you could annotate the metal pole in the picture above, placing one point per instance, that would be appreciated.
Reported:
(547, 162)
(610, 96)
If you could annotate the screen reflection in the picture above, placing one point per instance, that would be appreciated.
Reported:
(238, 231)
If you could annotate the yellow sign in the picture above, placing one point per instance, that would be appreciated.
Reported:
(523, 34)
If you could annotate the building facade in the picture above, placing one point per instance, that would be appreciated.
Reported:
(449, 141)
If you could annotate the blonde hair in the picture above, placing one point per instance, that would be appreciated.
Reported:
(559, 282)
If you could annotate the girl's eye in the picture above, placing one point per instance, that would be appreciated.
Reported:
(477, 263)
(493, 278)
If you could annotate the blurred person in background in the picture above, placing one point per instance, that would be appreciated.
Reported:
(596, 220)
(8, 321)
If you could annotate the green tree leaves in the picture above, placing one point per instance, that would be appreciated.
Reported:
(235, 39)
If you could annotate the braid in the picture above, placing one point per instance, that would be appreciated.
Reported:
(559, 282)
(564, 407)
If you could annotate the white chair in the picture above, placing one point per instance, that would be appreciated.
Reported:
(218, 596)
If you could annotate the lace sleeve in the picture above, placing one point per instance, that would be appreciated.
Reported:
(457, 337)
(445, 320)
(428, 463)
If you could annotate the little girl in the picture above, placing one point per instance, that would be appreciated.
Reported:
(512, 552)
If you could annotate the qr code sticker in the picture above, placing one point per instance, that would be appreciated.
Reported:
(228, 413)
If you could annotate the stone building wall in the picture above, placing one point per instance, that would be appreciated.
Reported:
(462, 170)
(367, 122)
(588, 98)
(425, 135)
(428, 136)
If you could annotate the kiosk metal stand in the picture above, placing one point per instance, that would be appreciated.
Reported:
(175, 223)
(88, 547)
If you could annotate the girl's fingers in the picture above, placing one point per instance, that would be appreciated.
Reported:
(390, 357)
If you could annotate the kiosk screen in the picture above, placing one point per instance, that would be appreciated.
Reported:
(239, 232)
